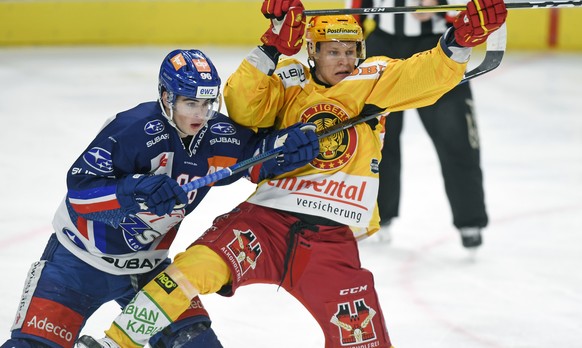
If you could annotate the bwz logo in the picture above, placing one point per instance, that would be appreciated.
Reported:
(246, 250)
(355, 324)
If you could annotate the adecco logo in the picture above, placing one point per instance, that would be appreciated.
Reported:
(44, 325)
(61, 325)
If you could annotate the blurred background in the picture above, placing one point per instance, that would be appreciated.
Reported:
(220, 22)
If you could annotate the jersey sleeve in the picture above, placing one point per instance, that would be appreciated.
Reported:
(92, 179)
(253, 96)
(412, 83)
(231, 143)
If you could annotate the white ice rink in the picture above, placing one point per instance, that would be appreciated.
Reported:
(522, 290)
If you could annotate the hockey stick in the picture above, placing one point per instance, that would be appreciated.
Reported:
(496, 43)
(267, 155)
(438, 8)
(494, 54)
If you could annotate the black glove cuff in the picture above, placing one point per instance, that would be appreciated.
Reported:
(271, 52)
(449, 37)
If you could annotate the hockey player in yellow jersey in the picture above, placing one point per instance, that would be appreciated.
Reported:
(299, 229)
(262, 94)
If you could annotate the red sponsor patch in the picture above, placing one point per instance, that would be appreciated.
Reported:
(201, 65)
(195, 309)
(53, 321)
(178, 61)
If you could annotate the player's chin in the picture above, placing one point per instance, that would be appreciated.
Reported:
(341, 75)
(193, 128)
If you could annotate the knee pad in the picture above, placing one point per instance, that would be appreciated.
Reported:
(192, 335)
(203, 268)
(51, 314)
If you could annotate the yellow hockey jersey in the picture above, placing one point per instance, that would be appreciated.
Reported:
(341, 184)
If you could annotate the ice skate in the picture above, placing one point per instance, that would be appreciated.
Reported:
(87, 341)
(471, 237)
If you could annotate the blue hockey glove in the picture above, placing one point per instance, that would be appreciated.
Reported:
(299, 147)
(157, 194)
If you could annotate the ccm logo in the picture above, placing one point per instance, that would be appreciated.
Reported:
(355, 290)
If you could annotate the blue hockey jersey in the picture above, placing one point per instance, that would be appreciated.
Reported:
(89, 221)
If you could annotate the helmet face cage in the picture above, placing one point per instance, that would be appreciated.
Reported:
(334, 28)
(191, 74)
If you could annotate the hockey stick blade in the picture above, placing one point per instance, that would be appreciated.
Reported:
(496, 44)
(495, 48)
(440, 8)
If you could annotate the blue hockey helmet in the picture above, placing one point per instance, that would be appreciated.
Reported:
(189, 73)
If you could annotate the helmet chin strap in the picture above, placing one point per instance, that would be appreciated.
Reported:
(171, 117)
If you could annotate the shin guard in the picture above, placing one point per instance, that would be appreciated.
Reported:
(153, 308)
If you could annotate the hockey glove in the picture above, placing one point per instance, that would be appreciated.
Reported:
(157, 194)
(276, 8)
(478, 21)
(285, 33)
(299, 147)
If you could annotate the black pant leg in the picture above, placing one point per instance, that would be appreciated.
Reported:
(390, 168)
(451, 125)
(380, 43)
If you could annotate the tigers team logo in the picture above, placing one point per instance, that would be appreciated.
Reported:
(354, 323)
(337, 149)
(245, 249)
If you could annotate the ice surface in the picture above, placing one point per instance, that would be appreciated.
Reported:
(523, 289)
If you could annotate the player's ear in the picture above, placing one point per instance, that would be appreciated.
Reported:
(166, 99)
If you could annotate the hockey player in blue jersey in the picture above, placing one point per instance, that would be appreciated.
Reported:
(124, 205)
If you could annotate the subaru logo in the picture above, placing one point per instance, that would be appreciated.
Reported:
(154, 127)
(223, 128)
(99, 159)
